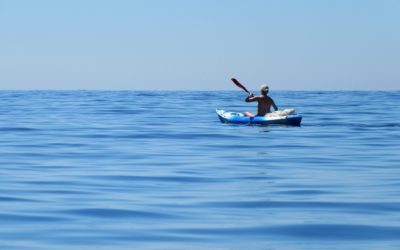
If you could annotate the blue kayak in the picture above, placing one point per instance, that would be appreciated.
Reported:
(275, 118)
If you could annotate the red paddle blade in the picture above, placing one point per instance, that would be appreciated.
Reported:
(239, 84)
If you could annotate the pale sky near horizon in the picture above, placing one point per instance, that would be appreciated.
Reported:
(199, 45)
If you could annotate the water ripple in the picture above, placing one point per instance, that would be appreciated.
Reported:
(108, 213)
(337, 232)
(351, 206)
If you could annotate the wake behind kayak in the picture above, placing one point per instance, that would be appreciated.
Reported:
(286, 117)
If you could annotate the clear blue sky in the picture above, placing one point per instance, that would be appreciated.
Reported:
(191, 44)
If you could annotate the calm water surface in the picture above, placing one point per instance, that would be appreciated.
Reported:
(157, 170)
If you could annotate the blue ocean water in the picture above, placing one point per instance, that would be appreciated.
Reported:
(157, 170)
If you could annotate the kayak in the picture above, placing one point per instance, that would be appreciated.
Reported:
(286, 117)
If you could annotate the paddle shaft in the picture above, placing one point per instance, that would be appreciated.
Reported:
(237, 83)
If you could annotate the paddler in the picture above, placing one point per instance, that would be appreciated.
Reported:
(264, 102)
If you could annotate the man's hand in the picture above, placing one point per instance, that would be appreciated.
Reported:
(249, 97)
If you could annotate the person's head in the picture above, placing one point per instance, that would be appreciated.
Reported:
(264, 89)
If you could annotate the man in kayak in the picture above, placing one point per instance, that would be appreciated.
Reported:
(264, 102)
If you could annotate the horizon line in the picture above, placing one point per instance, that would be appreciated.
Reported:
(203, 90)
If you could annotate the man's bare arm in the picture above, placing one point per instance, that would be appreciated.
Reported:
(274, 105)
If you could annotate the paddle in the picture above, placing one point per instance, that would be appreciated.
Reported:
(237, 83)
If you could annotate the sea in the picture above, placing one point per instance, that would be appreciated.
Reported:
(158, 170)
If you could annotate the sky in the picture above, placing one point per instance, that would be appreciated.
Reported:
(199, 45)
